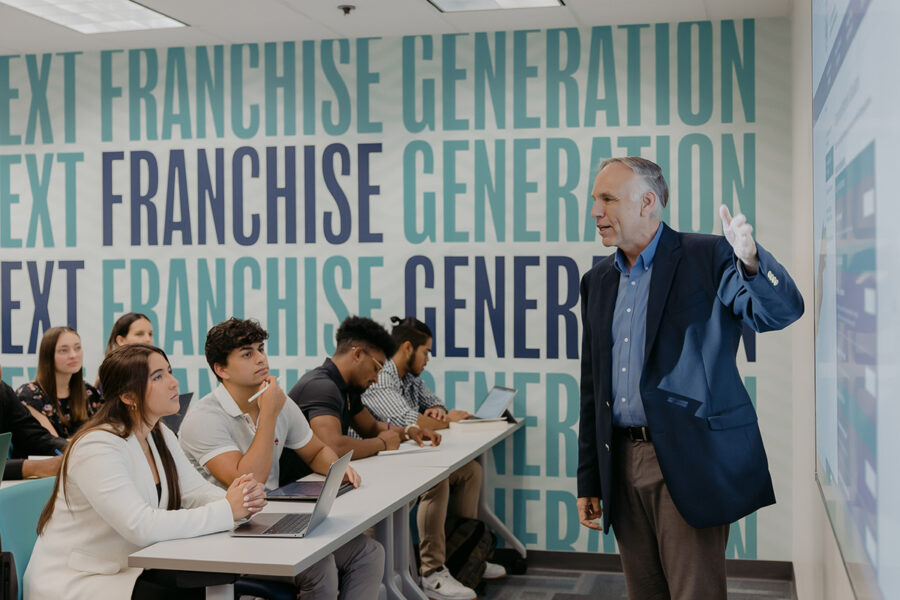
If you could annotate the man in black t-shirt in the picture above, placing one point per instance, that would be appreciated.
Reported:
(329, 395)
(29, 438)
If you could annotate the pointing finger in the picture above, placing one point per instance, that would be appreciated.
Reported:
(726, 216)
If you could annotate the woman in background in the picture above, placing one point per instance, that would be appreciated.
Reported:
(130, 328)
(59, 397)
(125, 484)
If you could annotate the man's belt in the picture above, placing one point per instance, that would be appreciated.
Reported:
(635, 434)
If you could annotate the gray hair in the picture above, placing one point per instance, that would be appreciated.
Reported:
(650, 172)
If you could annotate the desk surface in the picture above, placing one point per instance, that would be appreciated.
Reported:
(351, 514)
(7, 484)
(388, 483)
(456, 449)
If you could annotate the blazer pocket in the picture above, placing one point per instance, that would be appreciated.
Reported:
(738, 417)
(82, 561)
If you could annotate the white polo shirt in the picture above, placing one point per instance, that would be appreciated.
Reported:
(215, 424)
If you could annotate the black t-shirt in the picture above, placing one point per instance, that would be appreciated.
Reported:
(323, 391)
(28, 436)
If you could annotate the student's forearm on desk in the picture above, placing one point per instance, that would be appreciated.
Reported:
(361, 448)
(258, 458)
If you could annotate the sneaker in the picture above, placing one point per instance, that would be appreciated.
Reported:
(493, 571)
(441, 585)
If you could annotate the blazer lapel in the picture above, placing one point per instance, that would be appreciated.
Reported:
(665, 262)
(163, 499)
(606, 304)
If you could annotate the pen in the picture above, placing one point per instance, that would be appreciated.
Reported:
(389, 424)
(58, 453)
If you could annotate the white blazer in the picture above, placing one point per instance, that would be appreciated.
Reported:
(113, 511)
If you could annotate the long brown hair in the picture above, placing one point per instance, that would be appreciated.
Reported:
(124, 372)
(46, 378)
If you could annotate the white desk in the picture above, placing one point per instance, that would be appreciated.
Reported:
(457, 448)
(390, 483)
(8, 484)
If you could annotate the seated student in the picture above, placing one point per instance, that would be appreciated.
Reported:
(130, 328)
(58, 397)
(401, 396)
(29, 438)
(224, 435)
(329, 395)
(125, 484)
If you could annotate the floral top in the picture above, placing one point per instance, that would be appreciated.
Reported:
(34, 396)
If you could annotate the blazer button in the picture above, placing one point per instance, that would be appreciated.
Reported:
(607, 404)
(607, 447)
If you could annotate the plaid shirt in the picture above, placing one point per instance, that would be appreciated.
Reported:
(400, 400)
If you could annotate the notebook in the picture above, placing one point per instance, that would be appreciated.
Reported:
(298, 525)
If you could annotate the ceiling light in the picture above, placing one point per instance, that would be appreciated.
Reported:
(464, 5)
(96, 16)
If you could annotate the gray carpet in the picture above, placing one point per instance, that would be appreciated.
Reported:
(558, 584)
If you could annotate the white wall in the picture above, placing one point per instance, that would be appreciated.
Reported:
(818, 568)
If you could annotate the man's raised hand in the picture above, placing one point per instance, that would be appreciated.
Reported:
(739, 234)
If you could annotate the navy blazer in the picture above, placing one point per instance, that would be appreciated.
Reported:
(701, 419)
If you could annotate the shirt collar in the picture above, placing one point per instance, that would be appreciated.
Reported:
(335, 375)
(389, 371)
(223, 397)
(645, 259)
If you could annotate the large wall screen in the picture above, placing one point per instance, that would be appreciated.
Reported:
(856, 113)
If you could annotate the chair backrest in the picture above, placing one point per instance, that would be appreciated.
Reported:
(20, 508)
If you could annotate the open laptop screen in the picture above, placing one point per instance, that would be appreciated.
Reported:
(496, 403)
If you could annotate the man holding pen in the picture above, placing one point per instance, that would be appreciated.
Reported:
(245, 425)
(329, 395)
(401, 395)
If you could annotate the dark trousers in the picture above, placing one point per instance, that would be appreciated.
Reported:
(663, 557)
(162, 584)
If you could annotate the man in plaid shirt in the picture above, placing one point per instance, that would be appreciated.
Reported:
(399, 397)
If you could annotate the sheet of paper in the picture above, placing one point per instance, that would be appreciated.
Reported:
(408, 447)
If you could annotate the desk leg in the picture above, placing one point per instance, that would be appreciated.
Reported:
(384, 533)
(402, 558)
(486, 514)
(220, 592)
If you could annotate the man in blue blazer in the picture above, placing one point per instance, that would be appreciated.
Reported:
(668, 439)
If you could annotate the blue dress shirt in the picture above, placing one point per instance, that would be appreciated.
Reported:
(629, 330)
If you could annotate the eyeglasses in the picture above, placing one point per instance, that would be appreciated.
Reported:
(378, 365)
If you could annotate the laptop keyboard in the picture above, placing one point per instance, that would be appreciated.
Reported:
(294, 523)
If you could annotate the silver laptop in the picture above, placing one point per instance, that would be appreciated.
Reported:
(495, 406)
(298, 525)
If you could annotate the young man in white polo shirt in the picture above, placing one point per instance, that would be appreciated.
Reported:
(225, 435)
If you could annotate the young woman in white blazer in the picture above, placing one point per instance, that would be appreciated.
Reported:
(125, 484)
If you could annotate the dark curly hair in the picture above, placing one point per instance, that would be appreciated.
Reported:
(356, 331)
(224, 337)
(410, 330)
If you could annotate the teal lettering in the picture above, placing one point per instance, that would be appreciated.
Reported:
(561, 188)
(491, 186)
(522, 187)
(176, 86)
(490, 75)
(414, 235)
(452, 188)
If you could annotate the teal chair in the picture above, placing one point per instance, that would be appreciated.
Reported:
(20, 508)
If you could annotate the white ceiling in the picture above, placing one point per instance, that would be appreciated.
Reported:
(230, 21)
